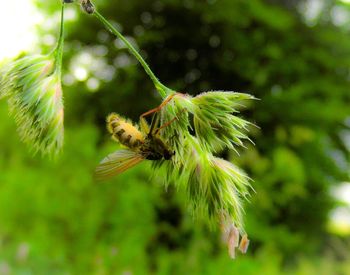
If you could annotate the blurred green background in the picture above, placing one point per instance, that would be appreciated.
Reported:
(293, 55)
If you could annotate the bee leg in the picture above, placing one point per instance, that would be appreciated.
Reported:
(154, 123)
(157, 109)
(144, 125)
(166, 124)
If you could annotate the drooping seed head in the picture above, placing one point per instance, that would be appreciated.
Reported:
(32, 86)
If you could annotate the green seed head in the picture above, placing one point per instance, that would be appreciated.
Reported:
(215, 123)
(206, 124)
(33, 87)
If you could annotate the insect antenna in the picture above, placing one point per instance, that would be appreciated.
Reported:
(154, 123)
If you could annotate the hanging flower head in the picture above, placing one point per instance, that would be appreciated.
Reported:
(32, 86)
(216, 188)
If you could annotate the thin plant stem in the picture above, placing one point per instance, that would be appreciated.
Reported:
(162, 89)
(58, 51)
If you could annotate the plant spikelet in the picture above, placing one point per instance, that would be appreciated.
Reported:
(33, 89)
(205, 125)
(32, 86)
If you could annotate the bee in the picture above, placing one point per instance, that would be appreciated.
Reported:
(143, 144)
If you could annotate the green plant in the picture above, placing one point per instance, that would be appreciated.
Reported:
(32, 85)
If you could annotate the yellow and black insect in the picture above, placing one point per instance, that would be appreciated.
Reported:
(143, 144)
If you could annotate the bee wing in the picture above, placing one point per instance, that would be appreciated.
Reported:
(116, 163)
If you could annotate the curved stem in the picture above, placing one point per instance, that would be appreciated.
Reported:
(162, 89)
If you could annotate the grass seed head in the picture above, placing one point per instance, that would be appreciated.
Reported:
(205, 125)
(32, 86)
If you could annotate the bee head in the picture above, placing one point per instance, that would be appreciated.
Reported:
(168, 154)
(156, 149)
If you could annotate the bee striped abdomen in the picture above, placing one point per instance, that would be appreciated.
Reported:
(124, 132)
